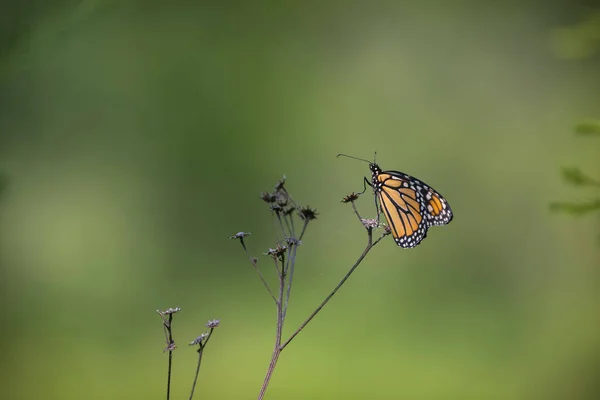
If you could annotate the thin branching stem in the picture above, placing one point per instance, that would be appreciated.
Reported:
(368, 248)
(356, 211)
(200, 353)
(169, 343)
(306, 221)
(257, 270)
(283, 232)
(290, 278)
(277, 347)
(291, 218)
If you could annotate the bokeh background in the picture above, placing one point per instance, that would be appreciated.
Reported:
(137, 135)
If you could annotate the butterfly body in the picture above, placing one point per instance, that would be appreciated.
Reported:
(410, 206)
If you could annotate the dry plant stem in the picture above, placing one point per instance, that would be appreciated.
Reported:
(292, 257)
(277, 349)
(266, 285)
(281, 312)
(169, 341)
(370, 245)
(200, 353)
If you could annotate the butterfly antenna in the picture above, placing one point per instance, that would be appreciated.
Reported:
(356, 158)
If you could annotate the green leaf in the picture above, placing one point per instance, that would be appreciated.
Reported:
(591, 127)
(575, 208)
(575, 176)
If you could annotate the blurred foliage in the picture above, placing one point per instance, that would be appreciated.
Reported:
(578, 178)
(579, 41)
(591, 127)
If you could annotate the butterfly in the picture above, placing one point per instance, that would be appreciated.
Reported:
(409, 205)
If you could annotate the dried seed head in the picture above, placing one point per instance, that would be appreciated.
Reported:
(199, 339)
(172, 346)
(307, 213)
(369, 223)
(350, 198)
(240, 235)
(213, 323)
(291, 241)
(277, 252)
(276, 208)
(267, 197)
(281, 198)
(280, 183)
(170, 311)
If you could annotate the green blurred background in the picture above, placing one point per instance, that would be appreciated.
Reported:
(137, 135)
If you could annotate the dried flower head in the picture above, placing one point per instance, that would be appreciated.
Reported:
(240, 235)
(276, 208)
(387, 230)
(268, 197)
(281, 198)
(277, 252)
(213, 323)
(199, 339)
(350, 198)
(169, 311)
(172, 346)
(280, 183)
(369, 223)
(307, 213)
(292, 241)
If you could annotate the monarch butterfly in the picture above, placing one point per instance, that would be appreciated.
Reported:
(410, 206)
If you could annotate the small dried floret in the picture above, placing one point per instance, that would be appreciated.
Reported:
(307, 213)
(277, 252)
(292, 241)
(387, 230)
(369, 223)
(213, 323)
(199, 339)
(240, 235)
(172, 346)
(276, 208)
(170, 311)
(280, 183)
(350, 198)
(268, 197)
(281, 198)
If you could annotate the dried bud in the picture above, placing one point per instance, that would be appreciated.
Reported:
(281, 198)
(213, 323)
(350, 198)
(240, 235)
(267, 197)
(291, 241)
(307, 213)
(276, 208)
(280, 183)
(369, 223)
(172, 346)
(169, 311)
(387, 230)
(199, 339)
(277, 252)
